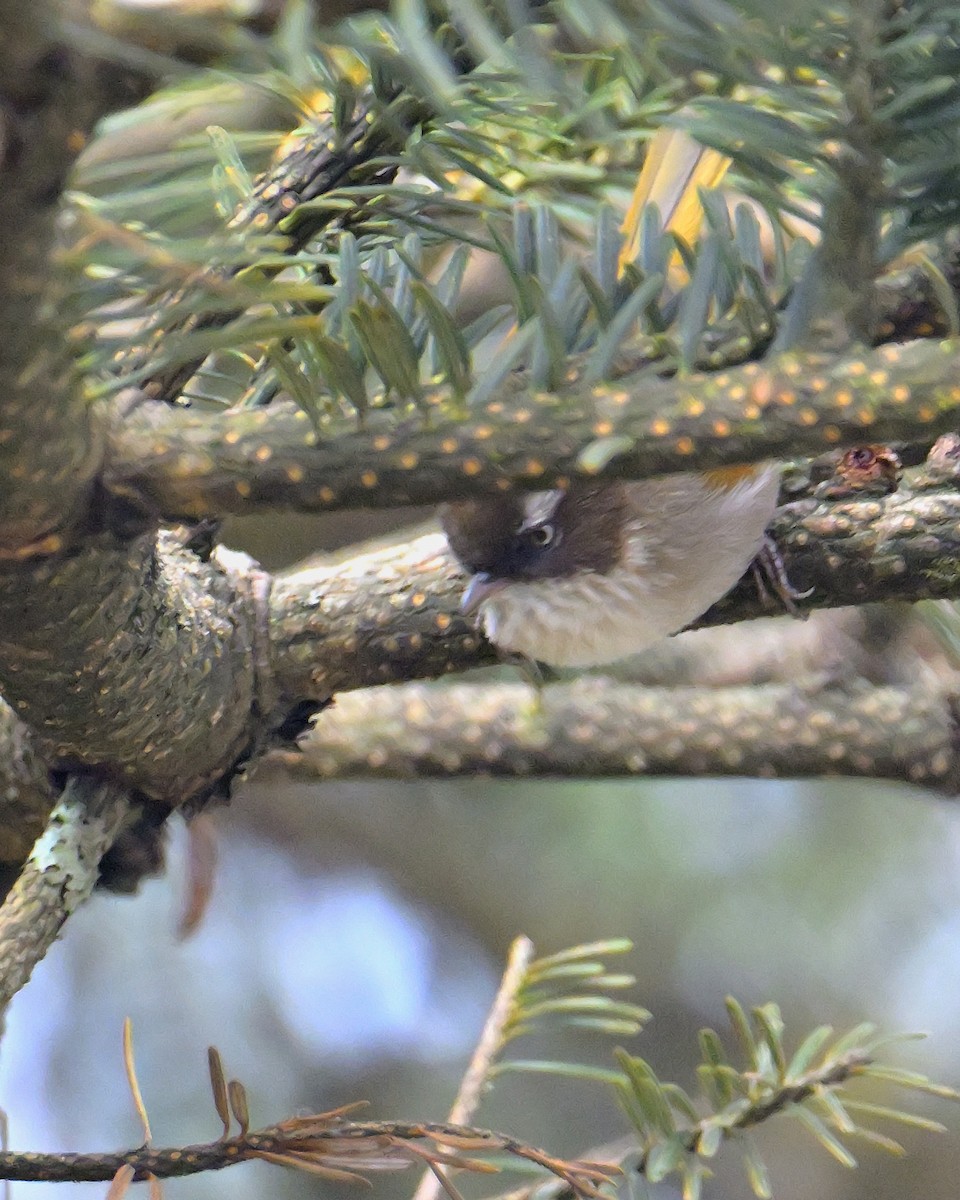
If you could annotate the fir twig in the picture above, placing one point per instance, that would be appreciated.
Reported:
(476, 1077)
(809, 1084)
(328, 1145)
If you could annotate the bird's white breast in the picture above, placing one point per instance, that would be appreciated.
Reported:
(687, 543)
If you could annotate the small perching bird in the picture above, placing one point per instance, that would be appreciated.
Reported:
(599, 571)
(596, 572)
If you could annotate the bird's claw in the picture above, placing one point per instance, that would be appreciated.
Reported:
(770, 576)
(537, 674)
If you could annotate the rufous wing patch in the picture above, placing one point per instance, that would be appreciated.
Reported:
(725, 479)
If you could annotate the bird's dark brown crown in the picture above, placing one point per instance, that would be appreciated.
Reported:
(544, 535)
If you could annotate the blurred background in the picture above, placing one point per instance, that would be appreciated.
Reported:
(357, 931)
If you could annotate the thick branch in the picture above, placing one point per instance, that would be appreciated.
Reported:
(156, 648)
(740, 655)
(179, 463)
(383, 616)
(595, 728)
(49, 449)
(121, 653)
(905, 546)
(139, 659)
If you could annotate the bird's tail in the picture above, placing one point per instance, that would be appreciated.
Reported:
(675, 169)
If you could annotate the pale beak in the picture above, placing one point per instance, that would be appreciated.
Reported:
(481, 587)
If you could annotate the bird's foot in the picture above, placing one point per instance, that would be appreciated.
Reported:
(537, 674)
(773, 583)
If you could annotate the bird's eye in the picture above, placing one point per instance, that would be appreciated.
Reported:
(542, 536)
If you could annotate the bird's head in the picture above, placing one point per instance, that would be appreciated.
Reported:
(524, 538)
(598, 571)
(532, 559)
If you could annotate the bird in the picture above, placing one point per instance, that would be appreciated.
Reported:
(594, 572)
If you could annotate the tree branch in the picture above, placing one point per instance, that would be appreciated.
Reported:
(391, 614)
(59, 875)
(121, 651)
(182, 464)
(320, 160)
(738, 655)
(324, 1145)
(154, 649)
(595, 728)
(49, 450)
(905, 546)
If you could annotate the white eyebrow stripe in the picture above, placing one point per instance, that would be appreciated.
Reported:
(539, 507)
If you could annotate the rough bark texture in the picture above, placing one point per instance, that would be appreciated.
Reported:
(378, 617)
(58, 876)
(185, 464)
(905, 546)
(596, 728)
(152, 675)
(121, 651)
(107, 646)
(49, 449)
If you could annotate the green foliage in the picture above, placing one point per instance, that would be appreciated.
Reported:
(547, 149)
(570, 988)
(680, 1134)
(315, 243)
(331, 271)
(818, 1083)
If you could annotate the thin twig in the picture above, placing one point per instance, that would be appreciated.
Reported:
(323, 1144)
(488, 1048)
(133, 1082)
